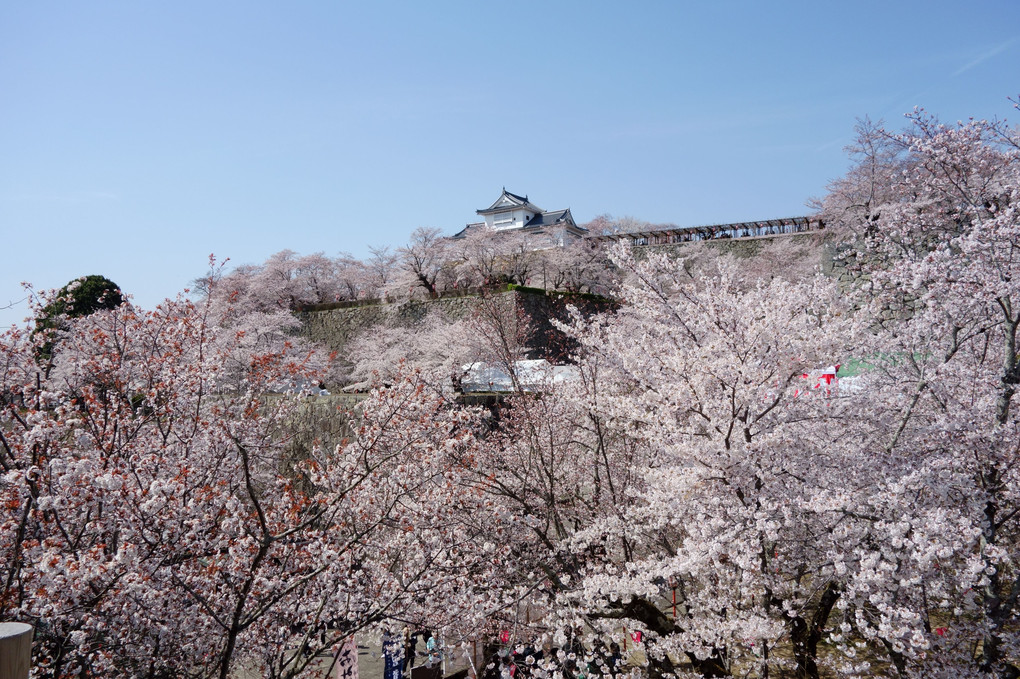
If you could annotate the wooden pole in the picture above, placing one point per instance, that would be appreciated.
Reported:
(15, 650)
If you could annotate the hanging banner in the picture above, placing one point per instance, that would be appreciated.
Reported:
(393, 657)
(347, 660)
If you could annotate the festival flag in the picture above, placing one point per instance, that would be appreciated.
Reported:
(347, 660)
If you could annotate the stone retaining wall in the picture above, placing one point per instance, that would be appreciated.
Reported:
(334, 328)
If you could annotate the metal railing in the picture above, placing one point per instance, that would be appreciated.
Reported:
(757, 229)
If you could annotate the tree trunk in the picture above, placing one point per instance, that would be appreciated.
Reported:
(656, 621)
(805, 637)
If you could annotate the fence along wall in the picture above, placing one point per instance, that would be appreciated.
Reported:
(758, 229)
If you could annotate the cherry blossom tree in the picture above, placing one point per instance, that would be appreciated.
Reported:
(354, 280)
(605, 224)
(800, 527)
(940, 247)
(425, 259)
(318, 276)
(437, 346)
(104, 465)
(854, 201)
(287, 281)
(579, 266)
(487, 256)
(381, 268)
(705, 376)
(690, 403)
(154, 525)
(880, 523)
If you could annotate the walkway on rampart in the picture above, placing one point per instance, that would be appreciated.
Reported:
(765, 228)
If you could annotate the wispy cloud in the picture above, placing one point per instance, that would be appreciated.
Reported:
(838, 141)
(803, 147)
(67, 197)
(985, 56)
(895, 112)
(702, 123)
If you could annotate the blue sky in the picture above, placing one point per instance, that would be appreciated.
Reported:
(138, 138)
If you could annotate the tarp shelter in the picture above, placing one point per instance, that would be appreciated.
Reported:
(533, 376)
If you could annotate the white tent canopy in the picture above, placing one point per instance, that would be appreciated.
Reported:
(532, 375)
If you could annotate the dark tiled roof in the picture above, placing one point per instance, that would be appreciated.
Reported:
(463, 232)
(522, 199)
(532, 226)
(570, 227)
(550, 218)
(518, 201)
